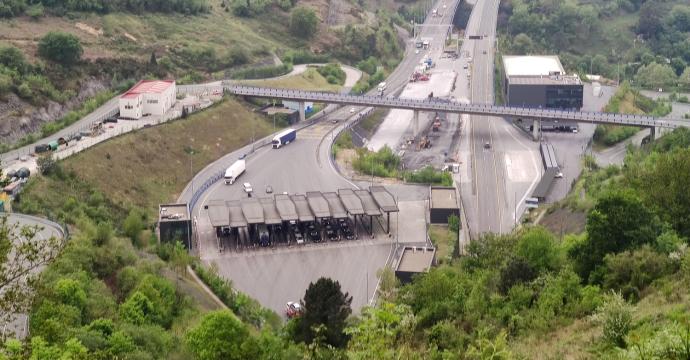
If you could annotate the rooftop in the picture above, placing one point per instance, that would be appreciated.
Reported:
(384, 198)
(416, 259)
(148, 87)
(443, 197)
(545, 80)
(532, 65)
(173, 212)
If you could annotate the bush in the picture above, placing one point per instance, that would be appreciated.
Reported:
(429, 175)
(238, 56)
(634, 270)
(60, 47)
(382, 163)
(303, 57)
(262, 72)
(303, 22)
(333, 73)
(615, 315)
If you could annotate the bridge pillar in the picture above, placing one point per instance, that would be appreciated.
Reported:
(536, 129)
(415, 123)
(652, 133)
(302, 116)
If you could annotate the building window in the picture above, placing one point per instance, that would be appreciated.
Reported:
(152, 101)
(128, 107)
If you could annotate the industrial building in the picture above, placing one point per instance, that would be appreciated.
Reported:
(541, 82)
(413, 261)
(443, 203)
(148, 97)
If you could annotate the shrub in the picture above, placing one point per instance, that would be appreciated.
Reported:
(429, 175)
(333, 73)
(381, 163)
(615, 315)
(60, 47)
(303, 22)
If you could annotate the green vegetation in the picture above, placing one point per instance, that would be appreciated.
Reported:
(343, 141)
(261, 72)
(382, 163)
(627, 100)
(61, 48)
(444, 240)
(326, 308)
(645, 41)
(11, 8)
(310, 79)
(429, 175)
(333, 74)
(303, 22)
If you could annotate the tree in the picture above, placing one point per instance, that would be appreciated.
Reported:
(523, 44)
(377, 333)
(13, 58)
(485, 348)
(46, 164)
(303, 22)
(537, 246)
(619, 221)
(684, 79)
(220, 335)
(22, 253)
(650, 21)
(133, 225)
(138, 309)
(152, 60)
(656, 75)
(60, 47)
(324, 304)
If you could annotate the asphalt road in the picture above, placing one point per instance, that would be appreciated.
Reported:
(19, 324)
(276, 276)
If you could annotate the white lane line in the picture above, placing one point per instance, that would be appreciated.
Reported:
(536, 171)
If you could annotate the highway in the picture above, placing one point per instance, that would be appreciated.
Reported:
(275, 276)
(499, 163)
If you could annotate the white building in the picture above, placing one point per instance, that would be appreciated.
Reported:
(148, 97)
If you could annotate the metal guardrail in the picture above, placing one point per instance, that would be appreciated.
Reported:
(433, 104)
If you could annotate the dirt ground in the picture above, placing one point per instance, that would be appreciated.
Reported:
(564, 221)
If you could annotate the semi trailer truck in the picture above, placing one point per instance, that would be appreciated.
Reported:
(234, 171)
(284, 137)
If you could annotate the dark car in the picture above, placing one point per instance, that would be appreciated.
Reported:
(242, 156)
(315, 235)
(332, 235)
(347, 233)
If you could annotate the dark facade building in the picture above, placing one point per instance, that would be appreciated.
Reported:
(443, 204)
(174, 224)
(541, 82)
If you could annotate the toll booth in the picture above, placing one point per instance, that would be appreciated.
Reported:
(371, 209)
(386, 203)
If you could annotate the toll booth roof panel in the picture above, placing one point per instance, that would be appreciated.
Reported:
(286, 208)
(416, 259)
(352, 203)
(253, 211)
(318, 205)
(384, 199)
(218, 214)
(335, 205)
(271, 216)
(237, 218)
(371, 208)
(303, 211)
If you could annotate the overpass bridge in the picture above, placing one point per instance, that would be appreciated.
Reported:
(441, 105)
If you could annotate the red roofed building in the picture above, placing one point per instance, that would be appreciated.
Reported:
(148, 97)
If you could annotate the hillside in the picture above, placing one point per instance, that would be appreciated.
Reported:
(643, 40)
(119, 44)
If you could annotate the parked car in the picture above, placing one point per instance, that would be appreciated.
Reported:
(269, 189)
(293, 309)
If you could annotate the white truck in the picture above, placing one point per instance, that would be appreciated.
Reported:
(234, 171)
(382, 86)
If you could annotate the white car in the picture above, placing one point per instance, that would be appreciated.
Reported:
(559, 175)
(247, 187)
(352, 110)
(416, 51)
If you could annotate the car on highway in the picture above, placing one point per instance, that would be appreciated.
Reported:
(487, 145)
(484, 52)
(465, 66)
(247, 187)
(559, 175)
(416, 51)
(269, 189)
(352, 110)
(242, 156)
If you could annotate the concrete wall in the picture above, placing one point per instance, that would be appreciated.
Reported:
(132, 107)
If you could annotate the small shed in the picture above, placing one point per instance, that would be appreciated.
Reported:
(442, 204)
(175, 224)
(413, 261)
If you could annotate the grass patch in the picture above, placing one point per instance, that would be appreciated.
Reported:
(151, 166)
(429, 175)
(382, 163)
(308, 80)
(444, 240)
(372, 122)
